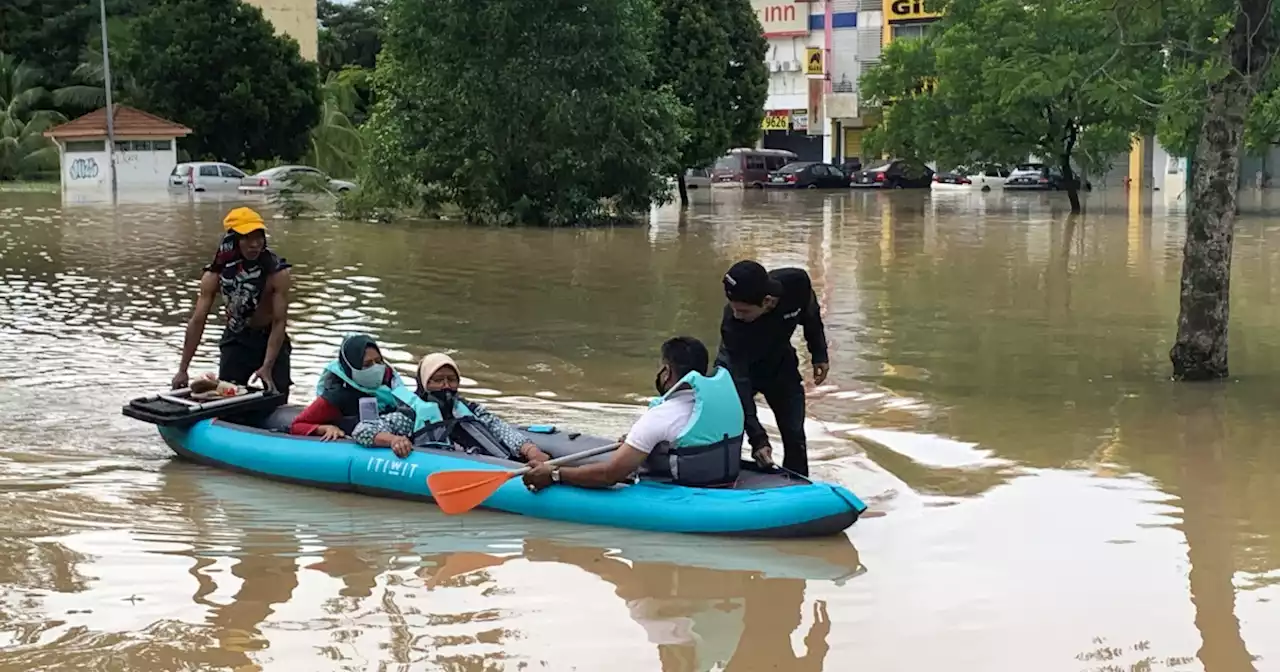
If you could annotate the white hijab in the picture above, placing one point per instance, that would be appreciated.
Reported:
(432, 363)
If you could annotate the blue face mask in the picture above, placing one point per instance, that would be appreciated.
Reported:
(369, 377)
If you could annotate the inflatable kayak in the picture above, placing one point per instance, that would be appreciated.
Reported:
(760, 504)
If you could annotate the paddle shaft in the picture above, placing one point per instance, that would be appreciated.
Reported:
(461, 491)
(569, 458)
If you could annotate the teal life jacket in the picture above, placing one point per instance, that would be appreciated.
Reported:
(383, 393)
(709, 449)
(431, 430)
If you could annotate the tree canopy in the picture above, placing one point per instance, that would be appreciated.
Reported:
(218, 67)
(350, 34)
(1190, 35)
(550, 126)
(748, 74)
(1002, 79)
(49, 35)
(713, 61)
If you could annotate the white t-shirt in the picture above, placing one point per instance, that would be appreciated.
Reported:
(662, 423)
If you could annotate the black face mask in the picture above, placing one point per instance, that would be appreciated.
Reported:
(446, 398)
(657, 382)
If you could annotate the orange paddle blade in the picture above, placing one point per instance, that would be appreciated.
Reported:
(461, 491)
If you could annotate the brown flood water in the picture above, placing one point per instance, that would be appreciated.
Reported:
(1043, 499)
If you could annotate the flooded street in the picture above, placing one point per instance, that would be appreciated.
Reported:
(1041, 497)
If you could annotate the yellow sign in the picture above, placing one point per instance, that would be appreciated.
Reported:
(776, 122)
(907, 10)
(813, 61)
(925, 86)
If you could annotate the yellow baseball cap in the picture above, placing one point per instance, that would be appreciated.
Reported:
(243, 221)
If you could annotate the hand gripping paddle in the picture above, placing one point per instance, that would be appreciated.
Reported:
(460, 491)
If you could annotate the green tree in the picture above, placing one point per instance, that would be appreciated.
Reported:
(1009, 78)
(87, 89)
(1219, 96)
(25, 114)
(49, 35)
(522, 112)
(46, 34)
(336, 143)
(711, 55)
(218, 67)
(350, 34)
(747, 72)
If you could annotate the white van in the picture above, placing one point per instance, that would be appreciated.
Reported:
(206, 176)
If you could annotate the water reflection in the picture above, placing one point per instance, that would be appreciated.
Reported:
(702, 619)
(1207, 522)
(400, 590)
(998, 395)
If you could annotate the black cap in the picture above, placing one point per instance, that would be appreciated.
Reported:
(748, 282)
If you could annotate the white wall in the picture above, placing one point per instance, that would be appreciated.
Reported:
(84, 171)
(87, 171)
(828, 128)
(1170, 172)
(790, 90)
(144, 169)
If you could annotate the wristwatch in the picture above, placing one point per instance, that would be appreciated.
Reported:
(555, 475)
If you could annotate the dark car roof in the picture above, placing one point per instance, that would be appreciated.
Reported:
(796, 166)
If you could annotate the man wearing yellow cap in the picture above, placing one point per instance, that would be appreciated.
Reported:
(254, 284)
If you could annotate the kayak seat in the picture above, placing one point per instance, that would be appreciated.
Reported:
(281, 418)
(558, 444)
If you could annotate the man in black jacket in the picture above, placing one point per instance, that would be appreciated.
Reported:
(755, 345)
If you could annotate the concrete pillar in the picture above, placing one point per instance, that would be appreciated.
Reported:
(1137, 156)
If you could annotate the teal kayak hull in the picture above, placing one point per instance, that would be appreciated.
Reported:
(758, 506)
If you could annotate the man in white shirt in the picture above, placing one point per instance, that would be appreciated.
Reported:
(717, 437)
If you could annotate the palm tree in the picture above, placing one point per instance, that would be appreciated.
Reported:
(90, 93)
(336, 143)
(25, 114)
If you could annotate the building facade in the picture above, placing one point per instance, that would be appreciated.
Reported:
(145, 153)
(1152, 167)
(295, 18)
(817, 53)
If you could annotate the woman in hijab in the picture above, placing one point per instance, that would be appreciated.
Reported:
(357, 374)
(438, 381)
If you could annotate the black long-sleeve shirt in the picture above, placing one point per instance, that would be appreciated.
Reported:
(759, 354)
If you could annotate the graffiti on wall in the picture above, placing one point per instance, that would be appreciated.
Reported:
(83, 169)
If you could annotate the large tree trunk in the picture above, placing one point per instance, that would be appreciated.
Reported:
(1200, 352)
(684, 189)
(1072, 183)
(1069, 175)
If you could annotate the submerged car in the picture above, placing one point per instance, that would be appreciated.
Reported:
(697, 178)
(202, 176)
(285, 179)
(967, 178)
(1035, 177)
(748, 167)
(896, 174)
(808, 175)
